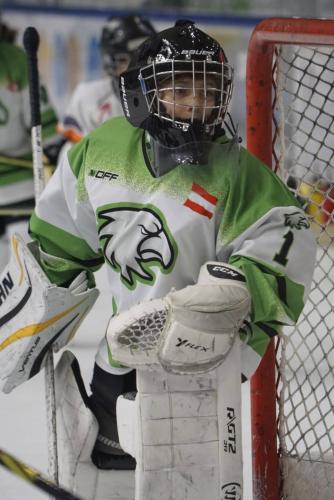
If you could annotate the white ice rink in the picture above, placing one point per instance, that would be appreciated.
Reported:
(23, 415)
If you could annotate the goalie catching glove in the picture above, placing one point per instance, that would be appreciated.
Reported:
(190, 330)
(35, 315)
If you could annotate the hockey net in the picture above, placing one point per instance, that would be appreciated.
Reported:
(290, 99)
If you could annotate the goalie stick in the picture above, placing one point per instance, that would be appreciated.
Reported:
(31, 44)
(34, 477)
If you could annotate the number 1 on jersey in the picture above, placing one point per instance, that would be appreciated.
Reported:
(281, 256)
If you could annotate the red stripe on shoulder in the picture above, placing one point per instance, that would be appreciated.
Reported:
(202, 192)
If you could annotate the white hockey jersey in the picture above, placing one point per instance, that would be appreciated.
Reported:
(16, 182)
(92, 103)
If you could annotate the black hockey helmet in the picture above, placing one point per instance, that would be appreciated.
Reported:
(155, 67)
(120, 37)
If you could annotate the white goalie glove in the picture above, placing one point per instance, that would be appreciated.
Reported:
(35, 315)
(188, 331)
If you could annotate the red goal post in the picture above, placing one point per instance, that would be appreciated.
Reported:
(262, 132)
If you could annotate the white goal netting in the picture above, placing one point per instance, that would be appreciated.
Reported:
(303, 151)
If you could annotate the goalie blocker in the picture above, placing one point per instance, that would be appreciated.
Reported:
(35, 315)
(184, 426)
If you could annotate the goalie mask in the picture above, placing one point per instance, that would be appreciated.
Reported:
(120, 37)
(178, 88)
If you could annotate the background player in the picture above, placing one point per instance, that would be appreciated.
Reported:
(16, 182)
(182, 194)
(94, 102)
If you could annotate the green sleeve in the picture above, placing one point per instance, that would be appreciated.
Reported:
(64, 255)
(65, 251)
(252, 231)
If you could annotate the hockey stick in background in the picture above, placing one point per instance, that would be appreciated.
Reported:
(16, 162)
(31, 44)
(20, 162)
(34, 477)
(15, 211)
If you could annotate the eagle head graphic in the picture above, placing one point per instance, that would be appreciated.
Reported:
(296, 220)
(135, 239)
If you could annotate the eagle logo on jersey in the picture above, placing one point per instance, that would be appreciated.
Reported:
(296, 220)
(135, 240)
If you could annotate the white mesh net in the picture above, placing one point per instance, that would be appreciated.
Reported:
(303, 149)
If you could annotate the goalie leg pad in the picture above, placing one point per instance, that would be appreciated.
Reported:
(77, 429)
(187, 435)
(34, 315)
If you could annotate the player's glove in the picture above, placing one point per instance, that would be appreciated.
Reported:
(188, 331)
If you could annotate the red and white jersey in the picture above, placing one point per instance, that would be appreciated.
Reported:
(92, 103)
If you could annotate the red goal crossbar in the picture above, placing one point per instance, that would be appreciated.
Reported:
(267, 34)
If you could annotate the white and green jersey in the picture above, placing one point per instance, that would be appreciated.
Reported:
(104, 205)
(16, 183)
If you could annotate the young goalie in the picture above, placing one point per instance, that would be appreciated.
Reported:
(157, 196)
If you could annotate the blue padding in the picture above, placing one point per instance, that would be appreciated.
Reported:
(154, 14)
